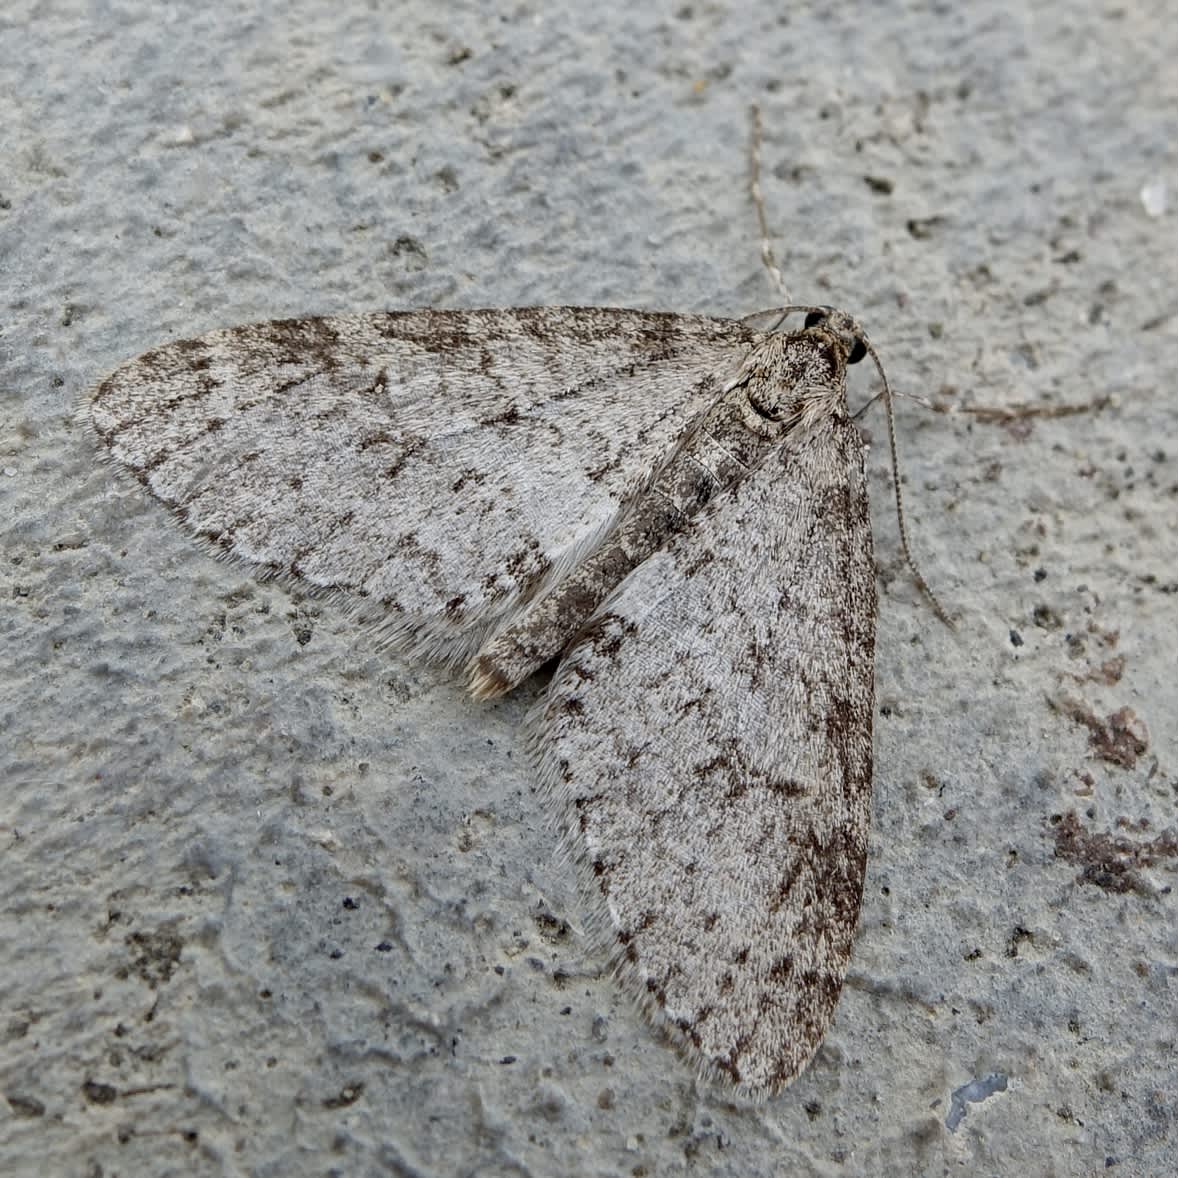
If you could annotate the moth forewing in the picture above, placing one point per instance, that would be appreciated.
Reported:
(710, 737)
(429, 469)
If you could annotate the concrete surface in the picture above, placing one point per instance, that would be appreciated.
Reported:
(275, 903)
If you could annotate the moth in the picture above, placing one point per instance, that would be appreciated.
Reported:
(673, 506)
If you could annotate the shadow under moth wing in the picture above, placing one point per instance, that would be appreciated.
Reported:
(678, 506)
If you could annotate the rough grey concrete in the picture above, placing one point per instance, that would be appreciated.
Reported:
(275, 903)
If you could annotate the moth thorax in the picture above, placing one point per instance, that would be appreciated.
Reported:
(773, 401)
(808, 366)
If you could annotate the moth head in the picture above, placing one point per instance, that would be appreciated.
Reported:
(843, 328)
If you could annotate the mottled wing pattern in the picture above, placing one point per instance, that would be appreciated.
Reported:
(432, 468)
(711, 735)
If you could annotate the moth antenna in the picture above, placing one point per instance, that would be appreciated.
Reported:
(913, 568)
(767, 257)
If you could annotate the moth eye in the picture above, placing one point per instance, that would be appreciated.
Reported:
(857, 352)
(815, 317)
